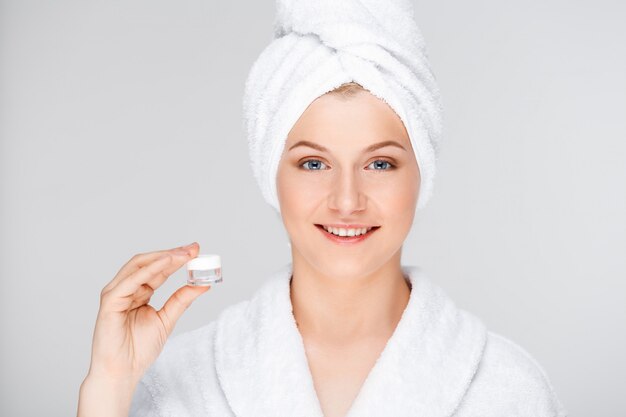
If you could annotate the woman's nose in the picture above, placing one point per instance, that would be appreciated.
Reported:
(347, 194)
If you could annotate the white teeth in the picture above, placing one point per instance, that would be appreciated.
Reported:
(347, 232)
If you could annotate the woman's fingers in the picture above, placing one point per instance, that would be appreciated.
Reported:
(129, 286)
(180, 258)
(176, 305)
(142, 296)
(143, 259)
(153, 274)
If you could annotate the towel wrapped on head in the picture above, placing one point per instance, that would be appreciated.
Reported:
(317, 46)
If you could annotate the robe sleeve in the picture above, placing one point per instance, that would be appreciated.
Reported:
(143, 404)
(179, 380)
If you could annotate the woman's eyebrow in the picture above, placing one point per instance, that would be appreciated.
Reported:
(370, 148)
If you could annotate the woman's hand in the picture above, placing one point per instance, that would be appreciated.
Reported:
(129, 333)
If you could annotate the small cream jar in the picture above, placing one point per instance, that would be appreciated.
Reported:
(204, 270)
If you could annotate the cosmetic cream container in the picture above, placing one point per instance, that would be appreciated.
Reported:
(204, 270)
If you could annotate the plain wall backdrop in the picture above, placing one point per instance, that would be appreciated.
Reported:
(121, 132)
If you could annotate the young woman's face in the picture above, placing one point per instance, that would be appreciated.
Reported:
(327, 175)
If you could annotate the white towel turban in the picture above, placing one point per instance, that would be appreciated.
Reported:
(319, 45)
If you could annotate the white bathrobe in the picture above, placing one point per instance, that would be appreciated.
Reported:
(251, 362)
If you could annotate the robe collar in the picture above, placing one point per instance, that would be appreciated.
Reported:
(424, 369)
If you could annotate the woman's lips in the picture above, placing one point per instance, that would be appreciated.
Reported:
(346, 240)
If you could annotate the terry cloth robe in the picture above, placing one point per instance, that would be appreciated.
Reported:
(250, 362)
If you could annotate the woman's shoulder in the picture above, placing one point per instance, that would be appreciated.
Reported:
(190, 354)
(182, 381)
(192, 341)
(194, 347)
(510, 381)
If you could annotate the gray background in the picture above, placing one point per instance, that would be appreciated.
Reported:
(121, 132)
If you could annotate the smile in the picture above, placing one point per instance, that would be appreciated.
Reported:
(350, 236)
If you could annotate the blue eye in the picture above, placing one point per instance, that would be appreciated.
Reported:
(391, 166)
(312, 160)
(317, 162)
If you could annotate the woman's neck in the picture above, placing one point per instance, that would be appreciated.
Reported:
(344, 311)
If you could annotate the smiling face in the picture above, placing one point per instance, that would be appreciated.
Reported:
(332, 171)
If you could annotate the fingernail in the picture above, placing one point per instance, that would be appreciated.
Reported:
(189, 245)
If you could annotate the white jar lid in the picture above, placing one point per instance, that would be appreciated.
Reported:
(204, 262)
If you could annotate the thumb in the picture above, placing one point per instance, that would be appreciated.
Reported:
(176, 305)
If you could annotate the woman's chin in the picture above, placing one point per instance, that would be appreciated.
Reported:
(345, 269)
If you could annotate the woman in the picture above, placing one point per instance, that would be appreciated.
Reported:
(344, 329)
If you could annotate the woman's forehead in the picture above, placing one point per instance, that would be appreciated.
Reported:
(363, 118)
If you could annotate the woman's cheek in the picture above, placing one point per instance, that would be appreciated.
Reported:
(299, 195)
(398, 196)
